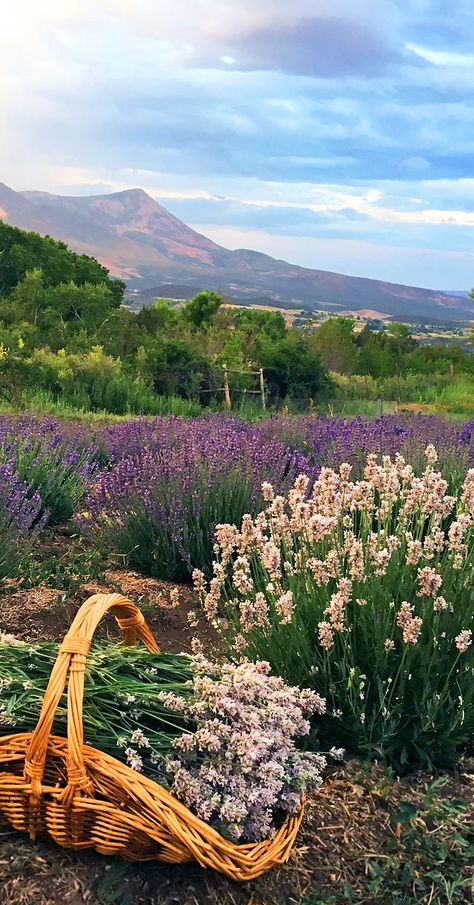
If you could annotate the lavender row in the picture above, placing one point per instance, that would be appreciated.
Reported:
(169, 482)
(152, 490)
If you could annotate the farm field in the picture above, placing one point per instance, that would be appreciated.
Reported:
(236, 454)
(132, 506)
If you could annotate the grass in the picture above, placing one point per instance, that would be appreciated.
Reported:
(456, 399)
(355, 395)
(41, 402)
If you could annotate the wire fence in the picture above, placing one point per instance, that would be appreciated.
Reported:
(258, 395)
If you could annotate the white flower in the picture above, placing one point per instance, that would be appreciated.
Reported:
(138, 738)
(337, 753)
(134, 760)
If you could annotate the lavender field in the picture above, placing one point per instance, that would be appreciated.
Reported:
(152, 490)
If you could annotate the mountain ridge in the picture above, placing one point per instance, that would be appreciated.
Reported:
(140, 241)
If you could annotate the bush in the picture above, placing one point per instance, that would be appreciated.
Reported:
(170, 482)
(20, 518)
(93, 381)
(363, 591)
(51, 462)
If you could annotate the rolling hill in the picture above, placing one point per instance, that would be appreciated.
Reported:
(141, 242)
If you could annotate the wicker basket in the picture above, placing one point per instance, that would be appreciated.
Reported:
(83, 798)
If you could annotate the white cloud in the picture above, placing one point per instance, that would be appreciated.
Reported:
(396, 263)
(101, 93)
(443, 57)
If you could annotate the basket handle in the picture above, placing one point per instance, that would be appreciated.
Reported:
(71, 660)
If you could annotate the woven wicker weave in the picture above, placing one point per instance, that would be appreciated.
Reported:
(83, 798)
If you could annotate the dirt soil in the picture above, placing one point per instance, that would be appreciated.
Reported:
(347, 827)
(44, 613)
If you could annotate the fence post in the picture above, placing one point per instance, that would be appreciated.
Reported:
(262, 388)
(228, 403)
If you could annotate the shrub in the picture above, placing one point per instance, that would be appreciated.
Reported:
(170, 482)
(364, 591)
(95, 381)
(20, 515)
(50, 461)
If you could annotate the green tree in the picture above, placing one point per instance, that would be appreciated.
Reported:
(201, 310)
(293, 369)
(376, 357)
(255, 323)
(334, 340)
(59, 312)
(175, 368)
(157, 317)
(22, 251)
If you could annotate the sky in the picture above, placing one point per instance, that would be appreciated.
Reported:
(332, 133)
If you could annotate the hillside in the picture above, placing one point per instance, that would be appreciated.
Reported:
(141, 242)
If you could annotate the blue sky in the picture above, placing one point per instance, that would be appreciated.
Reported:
(336, 134)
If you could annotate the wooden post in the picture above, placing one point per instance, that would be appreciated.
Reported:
(228, 403)
(262, 389)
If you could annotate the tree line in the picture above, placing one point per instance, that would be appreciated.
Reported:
(65, 330)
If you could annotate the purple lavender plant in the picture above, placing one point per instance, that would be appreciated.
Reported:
(170, 482)
(55, 461)
(330, 441)
(20, 519)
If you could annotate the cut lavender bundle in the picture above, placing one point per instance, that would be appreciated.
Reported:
(221, 738)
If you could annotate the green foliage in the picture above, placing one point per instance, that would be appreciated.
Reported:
(334, 340)
(201, 310)
(157, 317)
(431, 862)
(255, 324)
(56, 302)
(59, 313)
(38, 401)
(21, 252)
(94, 381)
(65, 569)
(177, 369)
(442, 392)
(292, 369)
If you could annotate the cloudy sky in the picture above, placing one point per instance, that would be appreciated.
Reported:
(332, 133)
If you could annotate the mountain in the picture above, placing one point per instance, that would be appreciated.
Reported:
(141, 242)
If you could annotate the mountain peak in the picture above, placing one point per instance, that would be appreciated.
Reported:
(142, 242)
(138, 192)
(135, 194)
